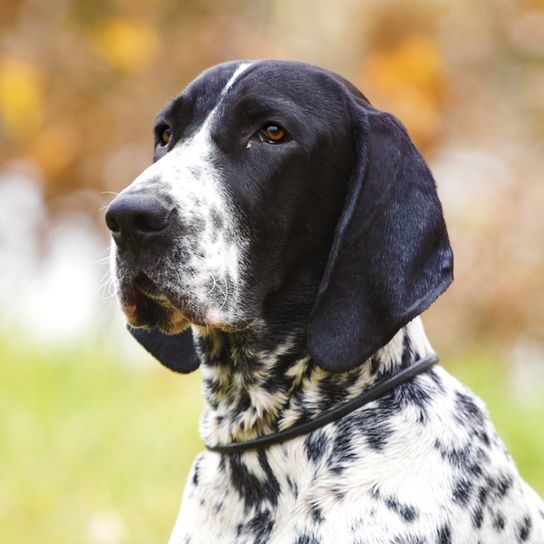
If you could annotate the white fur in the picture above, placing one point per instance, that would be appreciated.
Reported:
(244, 66)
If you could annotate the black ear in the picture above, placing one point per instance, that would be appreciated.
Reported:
(390, 257)
(174, 351)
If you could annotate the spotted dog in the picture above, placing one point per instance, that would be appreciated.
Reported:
(286, 239)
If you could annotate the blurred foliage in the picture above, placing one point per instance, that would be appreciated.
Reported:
(81, 80)
(97, 449)
(92, 446)
(129, 46)
(411, 76)
(20, 97)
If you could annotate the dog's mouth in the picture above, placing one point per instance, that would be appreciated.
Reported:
(146, 305)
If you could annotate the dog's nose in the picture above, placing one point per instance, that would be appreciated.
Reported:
(137, 219)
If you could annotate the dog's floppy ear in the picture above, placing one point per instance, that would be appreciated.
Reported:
(176, 351)
(390, 257)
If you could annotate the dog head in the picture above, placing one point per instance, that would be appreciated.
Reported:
(277, 181)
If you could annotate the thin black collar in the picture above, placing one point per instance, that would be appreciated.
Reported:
(339, 412)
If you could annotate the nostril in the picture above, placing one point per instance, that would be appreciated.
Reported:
(154, 220)
(112, 223)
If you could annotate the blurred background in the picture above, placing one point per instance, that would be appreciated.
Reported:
(95, 438)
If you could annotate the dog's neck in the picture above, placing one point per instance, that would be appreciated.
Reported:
(257, 382)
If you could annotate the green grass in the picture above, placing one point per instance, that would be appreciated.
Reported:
(90, 447)
(95, 451)
(517, 420)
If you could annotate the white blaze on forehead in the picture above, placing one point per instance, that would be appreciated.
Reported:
(193, 152)
(235, 75)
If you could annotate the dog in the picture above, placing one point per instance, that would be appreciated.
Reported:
(286, 240)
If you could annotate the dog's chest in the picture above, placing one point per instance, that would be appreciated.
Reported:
(414, 474)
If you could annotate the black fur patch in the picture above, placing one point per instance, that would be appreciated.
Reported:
(253, 490)
(524, 529)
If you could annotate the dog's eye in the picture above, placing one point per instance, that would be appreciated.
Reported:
(273, 134)
(166, 134)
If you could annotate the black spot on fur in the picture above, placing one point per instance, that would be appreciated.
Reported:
(462, 491)
(315, 445)
(331, 393)
(195, 473)
(293, 487)
(374, 425)
(477, 517)
(317, 514)
(243, 404)
(408, 355)
(436, 379)
(374, 365)
(467, 410)
(524, 529)
(259, 526)
(504, 484)
(413, 394)
(408, 539)
(276, 382)
(212, 385)
(482, 436)
(468, 459)
(339, 493)
(343, 452)
(444, 535)
(406, 512)
(253, 490)
(483, 494)
(306, 539)
(499, 522)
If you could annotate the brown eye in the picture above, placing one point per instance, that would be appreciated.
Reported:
(165, 136)
(274, 134)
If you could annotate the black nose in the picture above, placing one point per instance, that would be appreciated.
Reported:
(137, 219)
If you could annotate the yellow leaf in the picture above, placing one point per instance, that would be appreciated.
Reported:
(408, 79)
(21, 104)
(129, 46)
(55, 147)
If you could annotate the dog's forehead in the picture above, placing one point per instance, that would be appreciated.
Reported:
(254, 79)
(203, 93)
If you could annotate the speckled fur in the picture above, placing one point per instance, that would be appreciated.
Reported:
(422, 464)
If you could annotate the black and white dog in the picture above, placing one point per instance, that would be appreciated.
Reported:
(286, 239)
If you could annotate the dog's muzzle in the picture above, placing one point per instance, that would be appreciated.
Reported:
(137, 221)
(143, 226)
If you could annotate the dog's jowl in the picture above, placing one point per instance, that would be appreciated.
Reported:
(286, 239)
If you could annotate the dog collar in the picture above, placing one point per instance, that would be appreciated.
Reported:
(335, 414)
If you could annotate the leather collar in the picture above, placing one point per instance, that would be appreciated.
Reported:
(335, 414)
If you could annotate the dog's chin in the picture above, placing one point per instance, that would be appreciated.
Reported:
(166, 320)
(145, 306)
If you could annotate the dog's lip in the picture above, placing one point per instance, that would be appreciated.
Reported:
(131, 313)
(145, 305)
(160, 298)
(144, 285)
